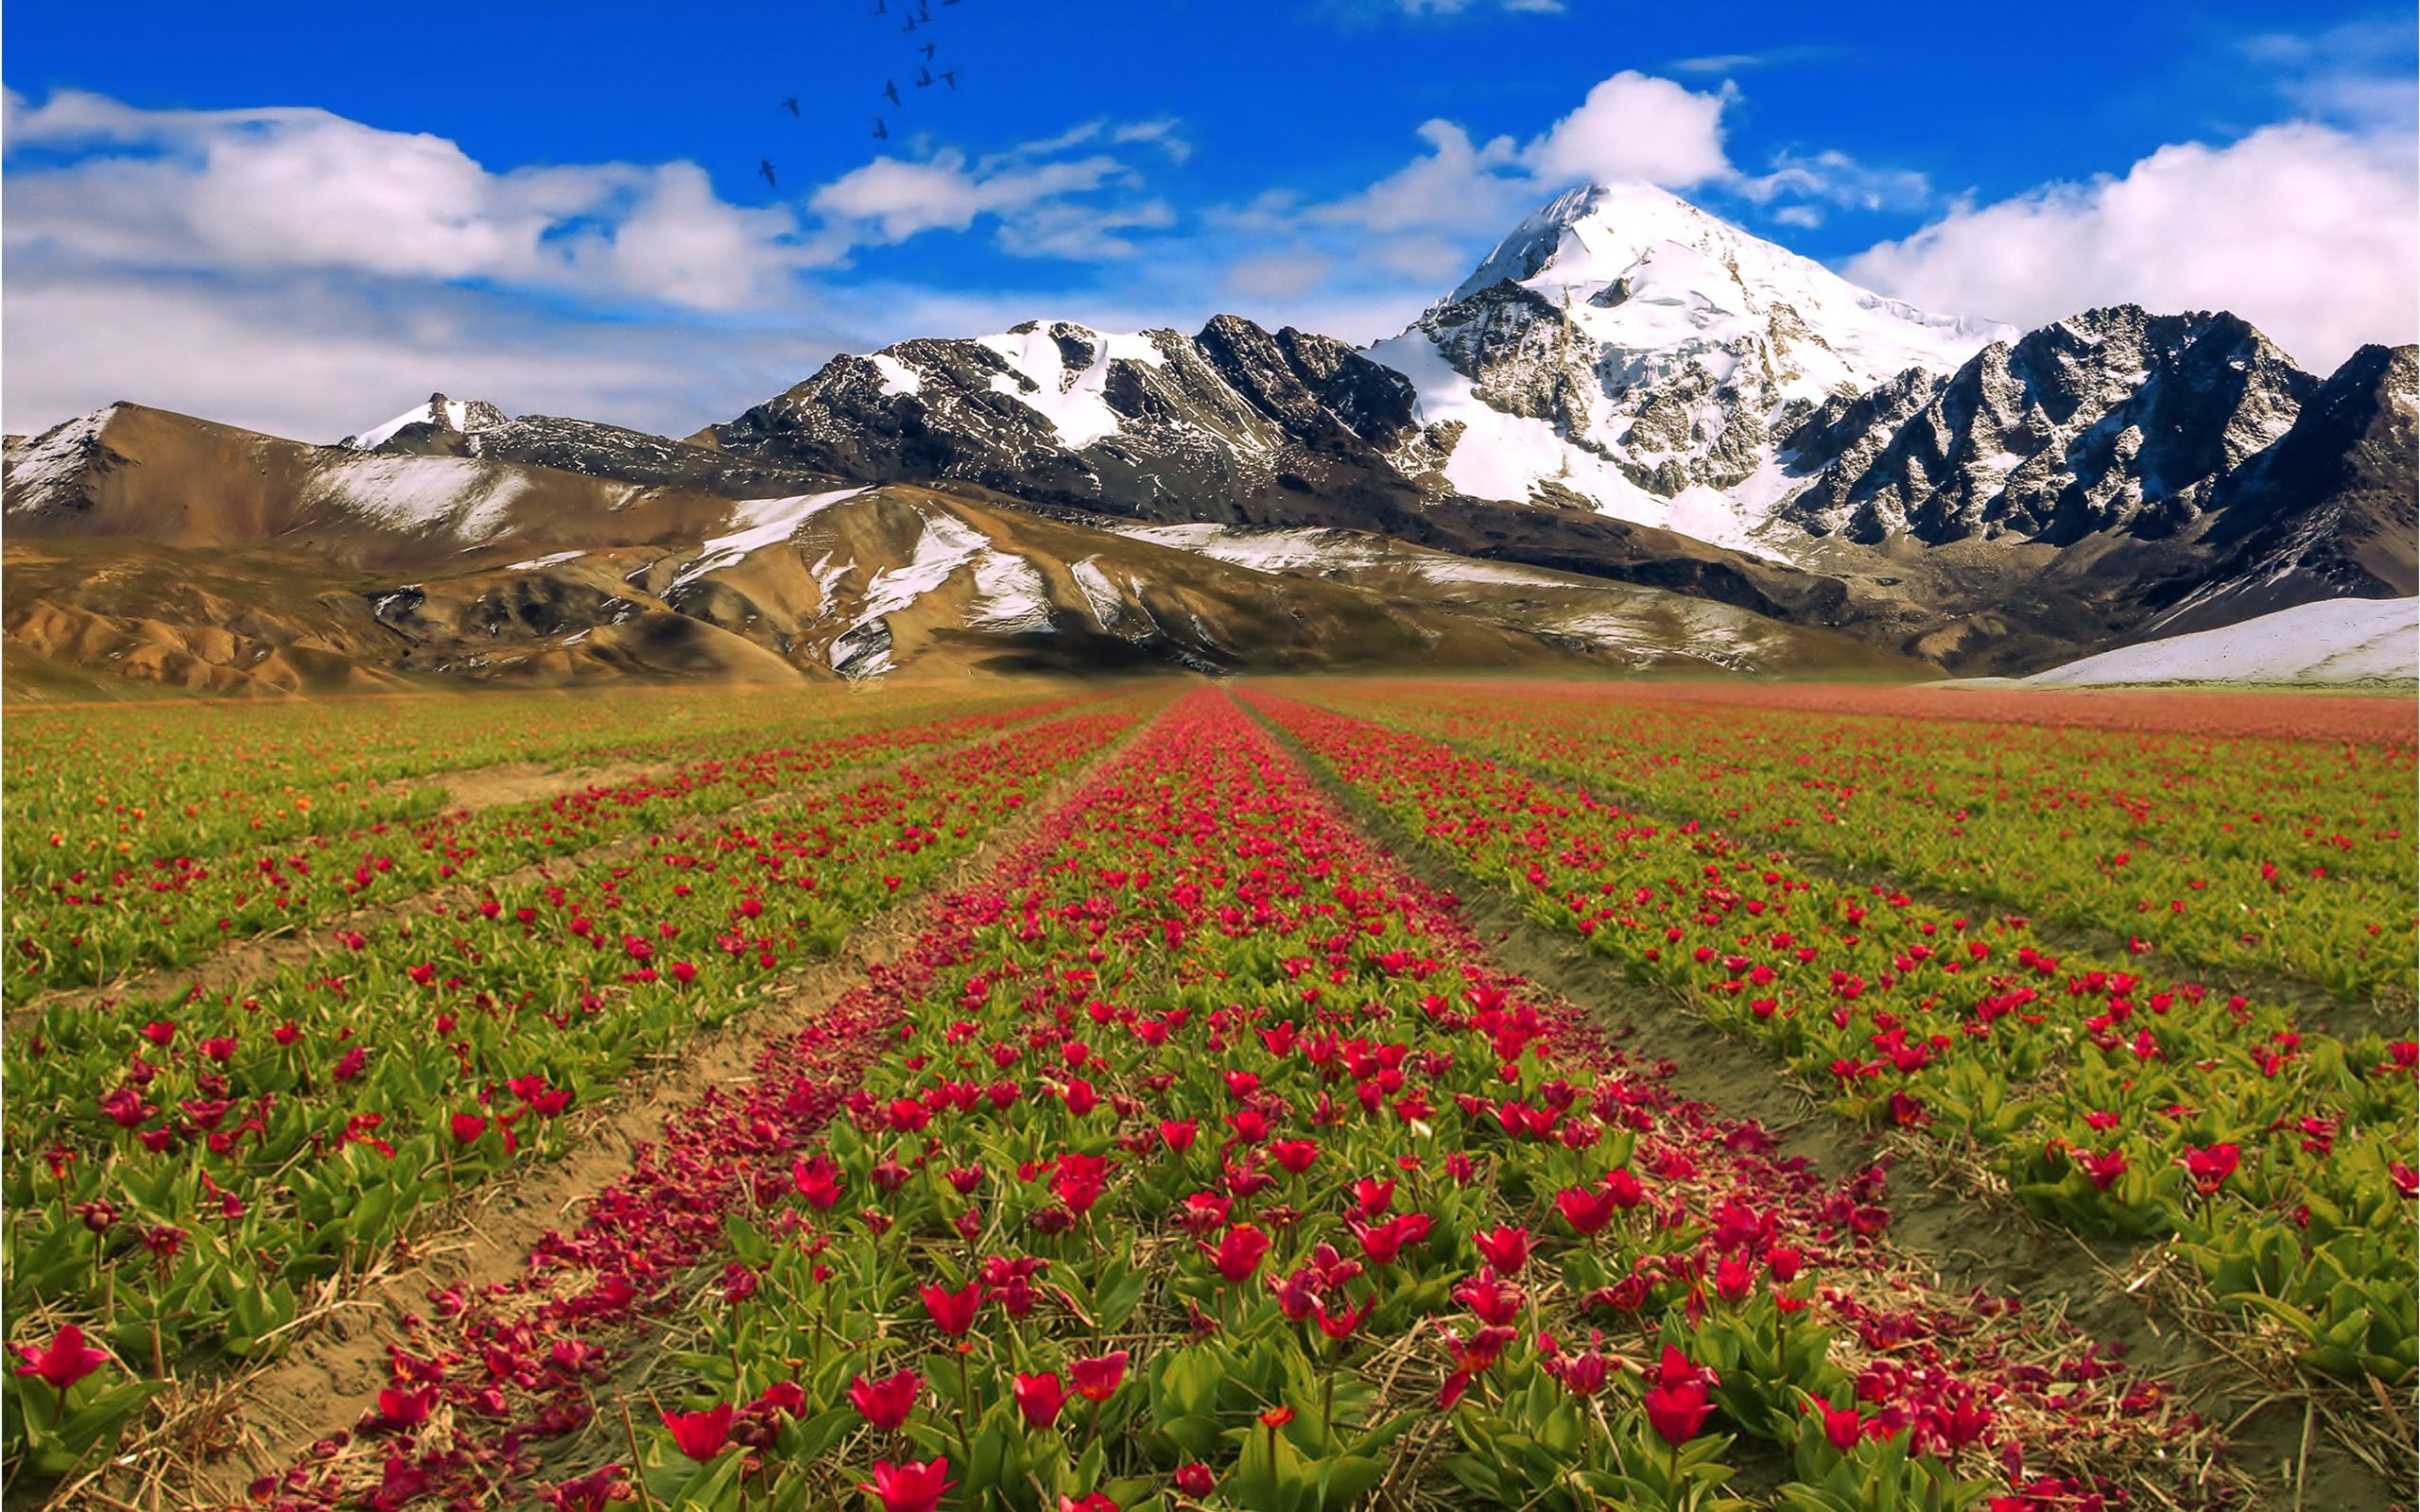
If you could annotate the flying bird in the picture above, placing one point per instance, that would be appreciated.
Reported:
(891, 91)
(924, 11)
(881, 133)
(912, 25)
(923, 78)
(791, 105)
(928, 49)
(882, 9)
(949, 76)
(765, 166)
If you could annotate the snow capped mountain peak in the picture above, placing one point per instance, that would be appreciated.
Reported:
(1627, 352)
(1640, 268)
(462, 415)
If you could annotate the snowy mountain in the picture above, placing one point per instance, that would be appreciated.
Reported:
(1628, 351)
(154, 546)
(457, 415)
(1632, 425)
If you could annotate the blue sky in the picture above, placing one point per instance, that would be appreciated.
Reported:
(303, 217)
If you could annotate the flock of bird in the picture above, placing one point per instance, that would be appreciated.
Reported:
(919, 15)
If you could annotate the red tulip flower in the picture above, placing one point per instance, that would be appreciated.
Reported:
(909, 1487)
(819, 1181)
(1676, 1413)
(1843, 1426)
(1504, 1247)
(953, 1312)
(1625, 1189)
(1039, 1399)
(701, 1435)
(1587, 1209)
(1239, 1253)
(68, 1359)
(2211, 1167)
(1196, 1479)
(468, 1127)
(886, 1403)
(1294, 1156)
(1097, 1378)
(2105, 1170)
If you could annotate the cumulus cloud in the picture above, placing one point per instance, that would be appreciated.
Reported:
(254, 191)
(297, 271)
(1040, 201)
(2310, 233)
(1635, 126)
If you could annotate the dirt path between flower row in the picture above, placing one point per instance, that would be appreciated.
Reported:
(1957, 1224)
(259, 956)
(266, 1420)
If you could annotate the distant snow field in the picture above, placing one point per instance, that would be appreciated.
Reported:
(2337, 641)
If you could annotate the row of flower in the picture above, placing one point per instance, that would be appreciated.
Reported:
(1203, 1160)
(190, 1176)
(93, 786)
(2287, 857)
(2282, 1160)
(89, 927)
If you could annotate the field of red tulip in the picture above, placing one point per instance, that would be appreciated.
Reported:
(1191, 1152)
(198, 885)
(2296, 858)
(2106, 1096)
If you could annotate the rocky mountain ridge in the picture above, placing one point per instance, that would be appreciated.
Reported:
(1627, 390)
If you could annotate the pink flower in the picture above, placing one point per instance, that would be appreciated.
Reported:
(65, 1361)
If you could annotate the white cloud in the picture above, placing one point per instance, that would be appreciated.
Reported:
(1634, 126)
(313, 357)
(1040, 203)
(1835, 178)
(2309, 232)
(296, 189)
(292, 271)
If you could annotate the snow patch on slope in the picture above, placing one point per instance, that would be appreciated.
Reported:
(1070, 397)
(1009, 593)
(461, 494)
(2337, 641)
(53, 458)
(758, 523)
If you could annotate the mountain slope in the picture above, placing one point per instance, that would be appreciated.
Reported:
(158, 547)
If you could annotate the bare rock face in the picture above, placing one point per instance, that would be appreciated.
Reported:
(2115, 419)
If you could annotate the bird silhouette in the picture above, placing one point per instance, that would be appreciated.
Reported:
(923, 78)
(891, 91)
(924, 11)
(949, 76)
(881, 133)
(882, 9)
(928, 49)
(791, 105)
(765, 166)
